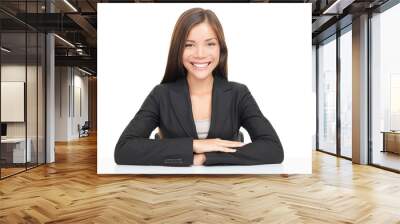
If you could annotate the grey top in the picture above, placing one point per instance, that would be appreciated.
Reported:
(202, 127)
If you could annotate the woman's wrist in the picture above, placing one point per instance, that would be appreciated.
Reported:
(199, 159)
(203, 158)
(195, 142)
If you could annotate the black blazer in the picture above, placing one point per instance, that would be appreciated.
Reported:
(168, 106)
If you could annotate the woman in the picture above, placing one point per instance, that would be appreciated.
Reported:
(198, 111)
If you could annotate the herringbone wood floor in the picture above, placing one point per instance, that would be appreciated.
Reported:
(70, 191)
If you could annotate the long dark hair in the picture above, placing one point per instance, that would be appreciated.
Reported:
(190, 18)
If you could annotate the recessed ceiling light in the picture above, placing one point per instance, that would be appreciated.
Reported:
(337, 7)
(84, 71)
(64, 40)
(5, 50)
(70, 5)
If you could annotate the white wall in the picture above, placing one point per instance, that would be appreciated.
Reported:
(70, 83)
(61, 103)
(80, 84)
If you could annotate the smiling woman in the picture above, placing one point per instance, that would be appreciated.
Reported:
(198, 111)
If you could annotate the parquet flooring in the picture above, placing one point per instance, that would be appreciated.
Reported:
(70, 191)
(10, 171)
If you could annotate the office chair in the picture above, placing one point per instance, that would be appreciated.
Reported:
(239, 137)
(84, 130)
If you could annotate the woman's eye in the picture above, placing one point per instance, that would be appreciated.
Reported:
(188, 45)
(211, 44)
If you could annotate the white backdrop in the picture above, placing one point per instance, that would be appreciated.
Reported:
(269, 49)
(12, 101)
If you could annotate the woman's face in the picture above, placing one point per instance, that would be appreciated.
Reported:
(201, 52)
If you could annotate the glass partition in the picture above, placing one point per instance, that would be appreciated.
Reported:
(13, 109)
(385, 89)
(41, 109)
(31, 100)
(22, 77)
(327, 96)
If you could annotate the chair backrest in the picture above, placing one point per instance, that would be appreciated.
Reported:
(86, 125)
(239, 137)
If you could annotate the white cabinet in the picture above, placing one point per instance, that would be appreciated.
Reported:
(18, 149)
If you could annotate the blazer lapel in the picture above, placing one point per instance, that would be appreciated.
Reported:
(220, 106)
(181, 103)
(180, 100)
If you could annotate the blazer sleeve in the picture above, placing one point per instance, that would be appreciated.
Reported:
(265, 147)
(135, 148)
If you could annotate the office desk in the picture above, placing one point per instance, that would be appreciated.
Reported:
(13, 150)
(291, 165)
(391, 141)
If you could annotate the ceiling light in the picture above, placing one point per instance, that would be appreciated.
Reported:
(338, 6)
(84, 71)
(5, 50)
(70, 5)
(64, 40)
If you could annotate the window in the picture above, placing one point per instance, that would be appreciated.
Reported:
(346, 93)
(327, 96)
(385, 88)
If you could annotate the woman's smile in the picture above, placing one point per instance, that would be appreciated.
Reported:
(200, 66)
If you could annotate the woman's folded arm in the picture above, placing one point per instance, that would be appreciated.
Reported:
(265, 147)
(135, 148)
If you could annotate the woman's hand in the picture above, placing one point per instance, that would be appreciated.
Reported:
(215, 145)
(199, 159)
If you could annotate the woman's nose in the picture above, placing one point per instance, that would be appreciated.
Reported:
(200, 52)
